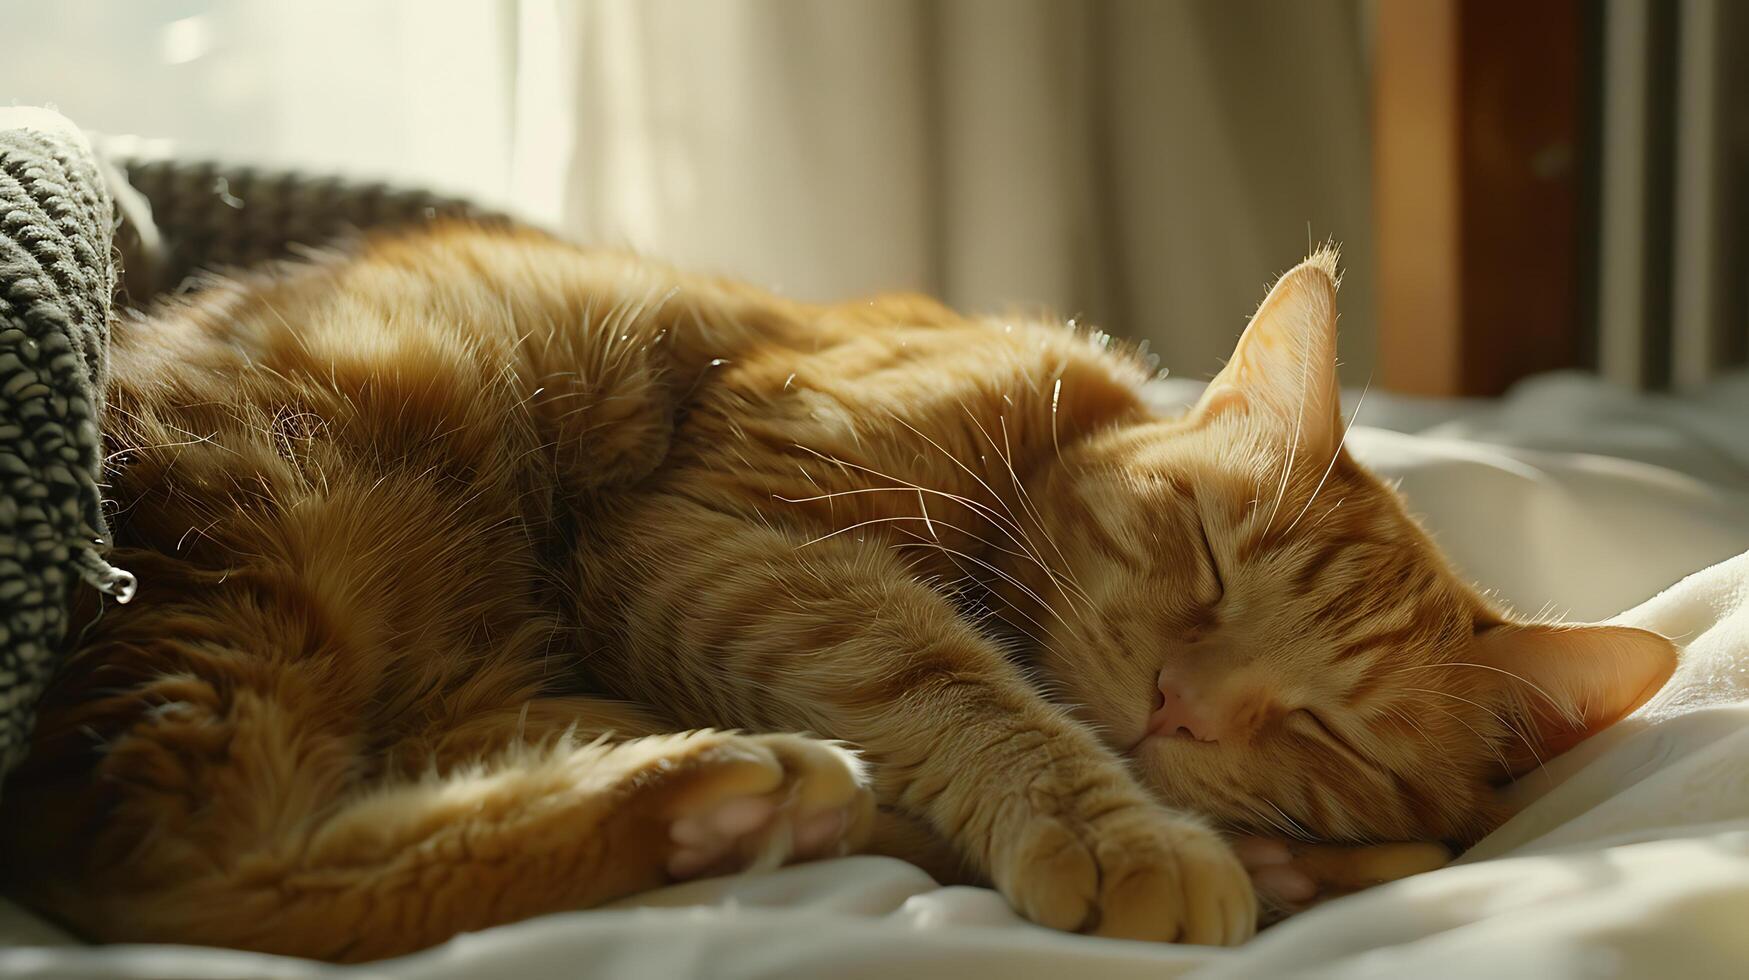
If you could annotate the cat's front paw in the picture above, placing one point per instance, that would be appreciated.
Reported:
(1140, 872)
(1291, 876)
(752, 801)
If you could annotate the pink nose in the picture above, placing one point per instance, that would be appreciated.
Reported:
(1181, 716)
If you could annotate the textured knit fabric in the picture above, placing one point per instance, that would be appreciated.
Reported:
(56, 279)
(216, 216)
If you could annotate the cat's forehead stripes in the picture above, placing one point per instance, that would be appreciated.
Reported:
(1327, 553)
(1382, 642)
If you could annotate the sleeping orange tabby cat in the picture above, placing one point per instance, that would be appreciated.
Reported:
(461, 555)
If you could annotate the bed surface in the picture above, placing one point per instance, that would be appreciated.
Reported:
(1631, 857)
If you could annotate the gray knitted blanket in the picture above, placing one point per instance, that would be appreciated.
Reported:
(56, 281)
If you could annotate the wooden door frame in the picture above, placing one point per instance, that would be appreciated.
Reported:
(1481, 147)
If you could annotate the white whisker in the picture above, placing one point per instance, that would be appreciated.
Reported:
(1550, 698)
(1299, 831)
(1001, 523)
(1358, 402)
(1293, 447)
(1529, 743)
(1056, 394)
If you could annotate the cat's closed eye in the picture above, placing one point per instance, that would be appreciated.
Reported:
(1214, 564)
(1309, 719)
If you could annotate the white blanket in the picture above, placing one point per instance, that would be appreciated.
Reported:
(1630, 858)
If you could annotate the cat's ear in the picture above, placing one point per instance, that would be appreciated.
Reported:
(1564, 684)
(1283, 372)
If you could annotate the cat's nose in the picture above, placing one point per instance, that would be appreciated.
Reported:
(1225, 706)
(1182, 715)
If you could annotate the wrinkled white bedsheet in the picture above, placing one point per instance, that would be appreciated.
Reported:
(1631, 858)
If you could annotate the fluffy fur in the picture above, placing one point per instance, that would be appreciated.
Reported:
(462, 555)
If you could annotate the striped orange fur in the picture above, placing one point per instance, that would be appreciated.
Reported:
(465, 556)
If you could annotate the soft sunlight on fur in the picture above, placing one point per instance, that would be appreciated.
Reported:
(465, 558)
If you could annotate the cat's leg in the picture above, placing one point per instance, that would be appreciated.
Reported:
(448, 742)
(900, 834)
(698, 846)
(744, 625)
(234, 824)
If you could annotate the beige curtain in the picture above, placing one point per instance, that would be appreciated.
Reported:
(1148, 166)
(1673, 229)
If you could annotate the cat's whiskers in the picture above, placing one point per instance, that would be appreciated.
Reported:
(1505, 766)
(928, 522)
(961, 595)
(985, 591)
(955, 460)
(1013, 519)
(1520, 678)
(1326, 515)
(1056, 395)
(1401, 713)
(1009, 530)
(1358, 402)
(1299, 830)
(1262, 817)
(1520, 734)
(1273, 818)
(1006, 454)
(830, 498)
(1293, 446)
(931, 522)
(1066, 586)
(999, 573)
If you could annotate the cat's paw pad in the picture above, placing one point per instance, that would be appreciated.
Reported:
(758, 801)
(1141, 873)
(1290, 875)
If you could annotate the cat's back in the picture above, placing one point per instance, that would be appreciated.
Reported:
(314, 437)
(389, 309)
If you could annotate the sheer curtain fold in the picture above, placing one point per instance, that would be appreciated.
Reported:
(1148, 166)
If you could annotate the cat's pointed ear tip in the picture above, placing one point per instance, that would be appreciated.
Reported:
(1310, 285)
(1327, 257)
(1325, 261)
(1666, 647)
(1648, 638)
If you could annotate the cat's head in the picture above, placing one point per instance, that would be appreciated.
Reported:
(1259, 624)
